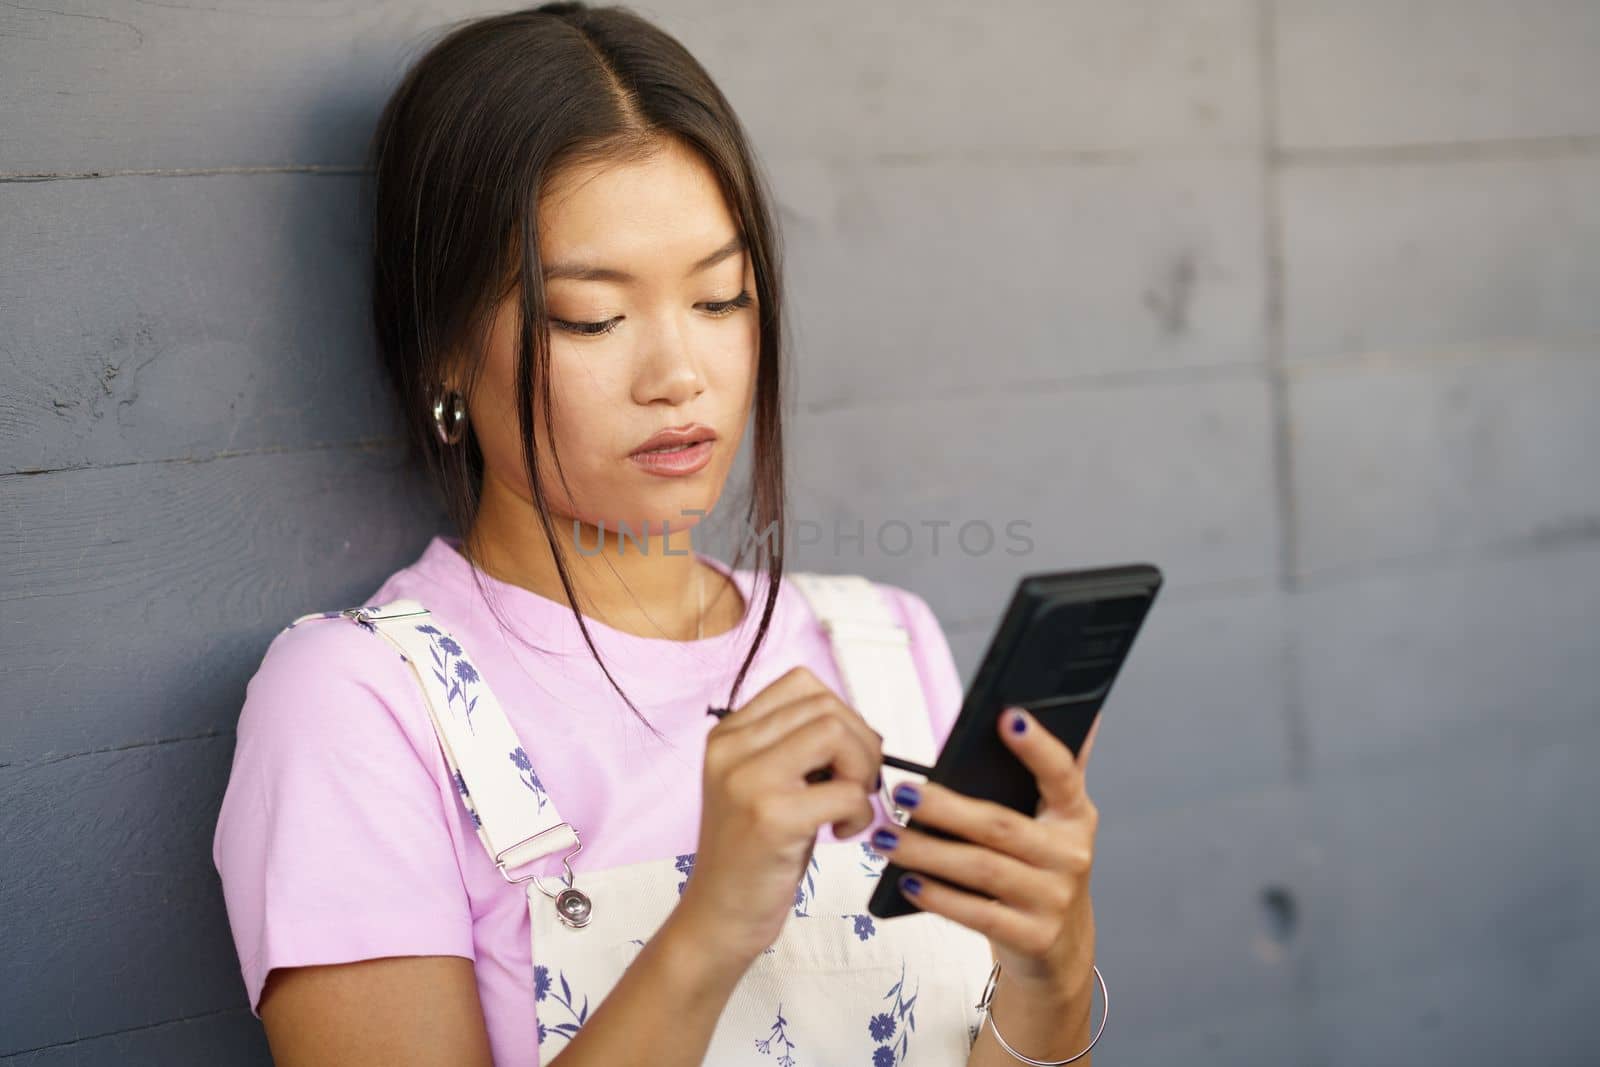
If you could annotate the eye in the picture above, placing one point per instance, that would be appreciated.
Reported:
(728, 307)
(718, 309)
(586, 329)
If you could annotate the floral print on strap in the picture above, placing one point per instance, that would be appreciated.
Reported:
(459, 677)
(466, 798)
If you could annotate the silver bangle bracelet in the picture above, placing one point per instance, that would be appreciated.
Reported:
(988, 994)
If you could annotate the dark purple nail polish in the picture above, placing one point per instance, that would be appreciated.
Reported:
(911, 884)
(906, 795)
(878, 784)
(884, 839)
(1019, 722)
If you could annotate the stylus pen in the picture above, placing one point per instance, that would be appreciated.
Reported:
(827, 772)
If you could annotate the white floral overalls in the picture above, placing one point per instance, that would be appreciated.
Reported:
(838, 987)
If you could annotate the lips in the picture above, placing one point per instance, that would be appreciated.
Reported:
(676, 436)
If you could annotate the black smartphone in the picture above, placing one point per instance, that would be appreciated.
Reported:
(1059, 646)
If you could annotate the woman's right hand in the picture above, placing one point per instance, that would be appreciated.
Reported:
(759, 816)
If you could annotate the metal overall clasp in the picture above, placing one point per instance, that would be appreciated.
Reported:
(573, 906)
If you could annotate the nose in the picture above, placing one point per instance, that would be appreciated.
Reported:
(670, 369)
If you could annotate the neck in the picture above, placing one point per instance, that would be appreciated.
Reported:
(634, 588)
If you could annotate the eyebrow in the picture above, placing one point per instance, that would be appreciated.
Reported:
(583, 272)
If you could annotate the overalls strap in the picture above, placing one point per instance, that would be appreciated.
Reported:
(517, 821)
(873, 654)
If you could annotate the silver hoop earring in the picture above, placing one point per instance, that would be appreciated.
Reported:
(458, 417)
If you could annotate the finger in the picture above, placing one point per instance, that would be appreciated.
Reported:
(822, 803)
(790, 686)
(825, 740)
(1057, 772)
(1088, 745)
(982, 822)
(759, 733)
(1018, 931)
(976, 868)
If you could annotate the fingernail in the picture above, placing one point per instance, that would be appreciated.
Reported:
(1019, 721)
(878, 784)
(911, 884)
(906, 795)
(884, 839)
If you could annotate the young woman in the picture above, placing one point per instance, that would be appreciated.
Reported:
(577, 299)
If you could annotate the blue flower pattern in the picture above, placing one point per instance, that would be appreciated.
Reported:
(542, 991)
(466, 798)
(450, 668)
(806, 888)
(778, 1035)
(901, 1018)
(685, 866)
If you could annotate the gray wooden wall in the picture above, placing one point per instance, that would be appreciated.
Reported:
(1295, 299)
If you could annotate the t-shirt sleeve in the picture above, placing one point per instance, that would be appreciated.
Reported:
(936, 664)
(333, 841)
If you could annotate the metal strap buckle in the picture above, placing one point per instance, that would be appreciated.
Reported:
(573, 906)
(500, 856)
(369, 614)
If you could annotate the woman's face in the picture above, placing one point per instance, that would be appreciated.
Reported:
(646, 339)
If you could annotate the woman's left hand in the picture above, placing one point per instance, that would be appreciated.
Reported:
(1039, 922)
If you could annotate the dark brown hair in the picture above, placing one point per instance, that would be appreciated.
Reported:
(477, 130)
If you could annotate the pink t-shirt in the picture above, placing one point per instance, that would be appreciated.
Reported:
(341, 838)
